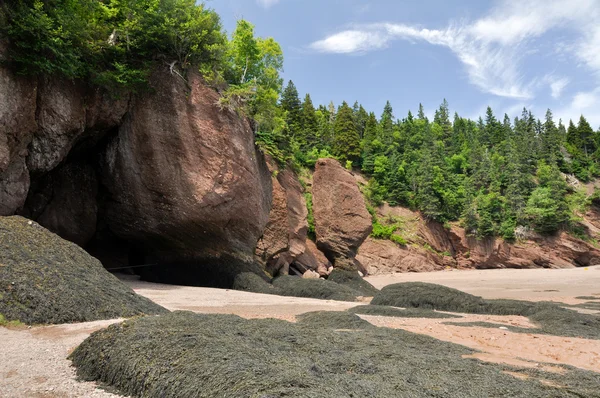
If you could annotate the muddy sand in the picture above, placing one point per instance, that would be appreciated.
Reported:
(33, 360)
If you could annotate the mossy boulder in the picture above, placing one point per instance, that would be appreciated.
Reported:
(47, 280)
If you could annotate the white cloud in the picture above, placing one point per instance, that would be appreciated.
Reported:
(267, 3)
(492, 49)
(351, 41)
(557, 86)
(583, 103)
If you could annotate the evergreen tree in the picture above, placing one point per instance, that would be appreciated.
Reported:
(369, 144)
(346, 144)
(291, 105)
(421, 113)
(387, 124)
(310, 124)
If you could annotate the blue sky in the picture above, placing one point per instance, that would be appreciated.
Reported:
(505, 53)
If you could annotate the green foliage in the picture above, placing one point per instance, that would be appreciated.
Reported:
(10, 324)
(116, 43)
(543, 211)
(346, 141)
(271, 143)
(315, 154)
(310, 218)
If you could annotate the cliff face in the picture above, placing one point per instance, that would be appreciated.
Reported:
(168, 181)
(432, 247)
(163, 177)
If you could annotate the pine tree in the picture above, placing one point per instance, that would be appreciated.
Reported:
(442, 117)
(421, 113)
(310, 124)
(290, 103)
(368, 144)
(346, 142)
(387, 124)
(586, 135)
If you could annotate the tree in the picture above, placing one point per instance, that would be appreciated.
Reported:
(346, 141)
(370, 144)
(547, 208)
(291, 105)
(310, 124)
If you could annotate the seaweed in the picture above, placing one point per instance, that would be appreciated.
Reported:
(47, 280)
(183, 354)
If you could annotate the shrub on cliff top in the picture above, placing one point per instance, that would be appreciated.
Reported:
(183, 355)
(45, 279)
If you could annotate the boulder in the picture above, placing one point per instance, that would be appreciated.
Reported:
(342, 221)
(185, 182)
(45, 279)
(313, 259)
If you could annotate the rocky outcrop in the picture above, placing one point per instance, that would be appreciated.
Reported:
(284, 236)
(380, 256)
(17, 126)
(184, 179)
(561, 251)
(314, 259)
(166, 176)
(342, 221)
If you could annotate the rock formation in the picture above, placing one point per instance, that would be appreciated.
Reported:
(284, 236)
(184, 178)
(432, 247)
(381, 256)
(342, 221)
(166, 175)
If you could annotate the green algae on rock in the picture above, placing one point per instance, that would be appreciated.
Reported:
(47, 280)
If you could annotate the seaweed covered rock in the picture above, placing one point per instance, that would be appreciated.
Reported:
(550, 317)
(429, 296)
(384, 310)
(295, 286)
(352, 280)
(342, 221)
(45, 279)
(333, 319)
(251, 282)
(187, 355)
(314, 288)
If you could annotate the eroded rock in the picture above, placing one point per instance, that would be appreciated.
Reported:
(342, 221)
(185, 180)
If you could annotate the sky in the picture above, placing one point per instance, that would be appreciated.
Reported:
(506, 54)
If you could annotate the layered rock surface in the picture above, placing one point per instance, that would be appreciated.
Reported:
(430, 246)
(184, 177)
(342, 221)
(284, 237)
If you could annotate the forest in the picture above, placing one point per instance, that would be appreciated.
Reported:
(495, 175)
